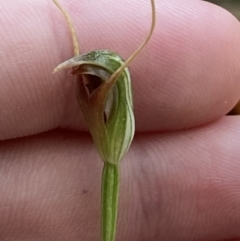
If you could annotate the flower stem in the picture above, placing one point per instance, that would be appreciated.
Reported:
(110, 193)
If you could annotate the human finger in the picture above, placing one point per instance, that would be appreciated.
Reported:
(187, 76)
(178, 186)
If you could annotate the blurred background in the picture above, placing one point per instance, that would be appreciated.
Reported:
(232, 6)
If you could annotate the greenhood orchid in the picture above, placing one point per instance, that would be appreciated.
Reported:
(104, 94)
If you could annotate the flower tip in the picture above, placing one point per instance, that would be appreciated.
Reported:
(65, 65)
(57, 69)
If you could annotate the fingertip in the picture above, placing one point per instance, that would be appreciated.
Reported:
(187, 75)
(193, 77)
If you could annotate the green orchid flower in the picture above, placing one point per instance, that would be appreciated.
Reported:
(104, 94)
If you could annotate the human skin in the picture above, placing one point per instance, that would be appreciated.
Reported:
(180, 179)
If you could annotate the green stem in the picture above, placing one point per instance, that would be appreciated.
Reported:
(110, 193)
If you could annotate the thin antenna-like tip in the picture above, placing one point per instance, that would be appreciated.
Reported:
(118, 72)
(72, 29)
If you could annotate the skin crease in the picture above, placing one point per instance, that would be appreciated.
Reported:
(178, 185)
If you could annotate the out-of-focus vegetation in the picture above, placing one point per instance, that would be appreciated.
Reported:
(232, 6)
